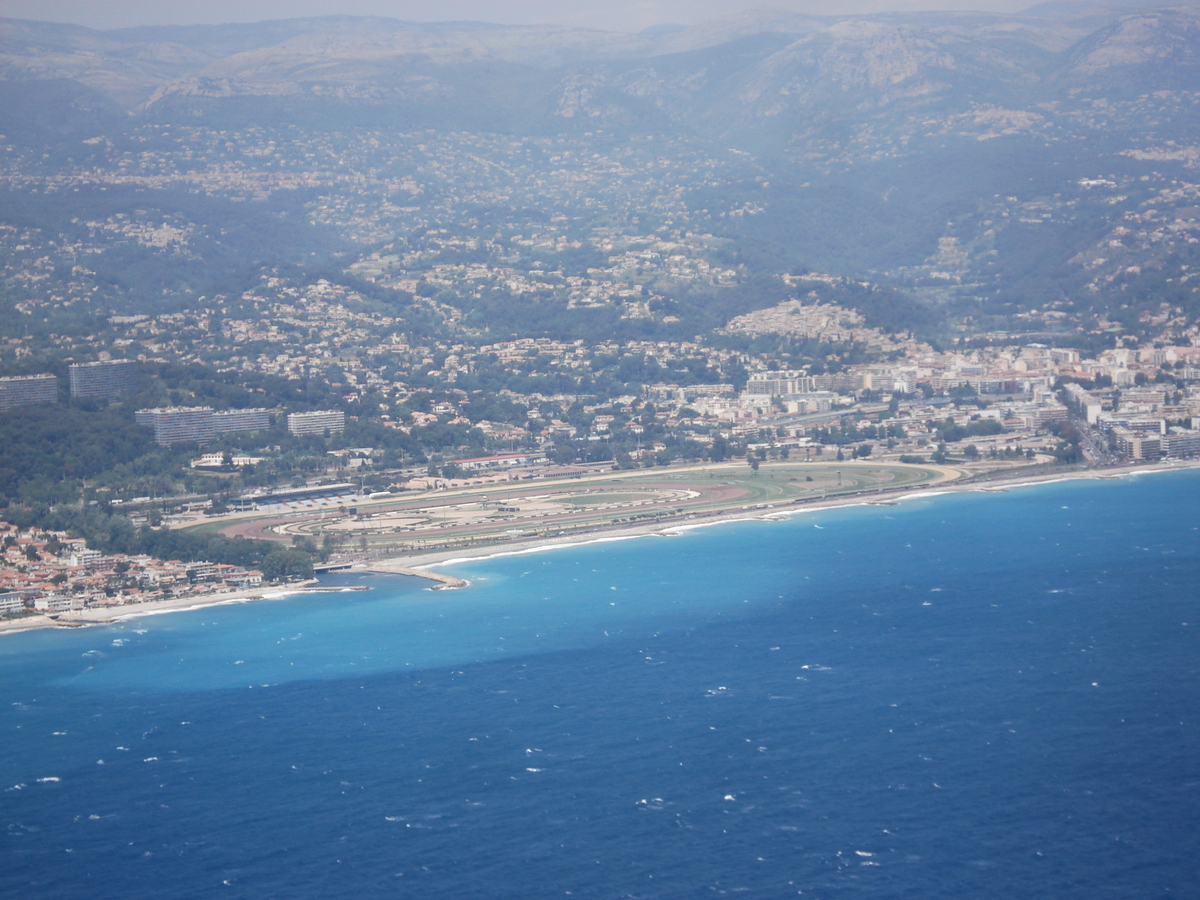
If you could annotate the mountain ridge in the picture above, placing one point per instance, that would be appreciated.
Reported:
(140, 67)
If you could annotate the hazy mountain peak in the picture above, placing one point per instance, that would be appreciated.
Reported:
(741, 24)
(1163, 44)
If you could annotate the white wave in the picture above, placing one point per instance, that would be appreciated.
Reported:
(540, 548)
(207, 604)
(1057, 480)
(923, 495)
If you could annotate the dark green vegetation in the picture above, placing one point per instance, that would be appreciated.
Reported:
(46, 452)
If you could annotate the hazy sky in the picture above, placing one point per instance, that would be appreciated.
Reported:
(623, 15)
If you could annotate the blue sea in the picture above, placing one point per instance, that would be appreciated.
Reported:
(971, 695)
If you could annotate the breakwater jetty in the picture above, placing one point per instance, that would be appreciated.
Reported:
(444, 582)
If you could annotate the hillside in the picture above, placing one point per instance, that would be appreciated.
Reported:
(988, 166)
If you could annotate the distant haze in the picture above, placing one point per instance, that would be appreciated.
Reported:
(621, 15)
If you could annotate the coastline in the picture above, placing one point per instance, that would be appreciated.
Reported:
(81, 618)
(424, 561)
(420, 565)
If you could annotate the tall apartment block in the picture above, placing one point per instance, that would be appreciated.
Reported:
(108, 378)
(23, 390)
(183, 424)
(317, 422)
(178, 424)
(241, 420)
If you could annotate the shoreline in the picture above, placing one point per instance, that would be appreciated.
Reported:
(420, 565)
(450, 557)
(83, 618)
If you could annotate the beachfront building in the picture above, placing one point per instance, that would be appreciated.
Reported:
(1138, 445)
(11, 602)
(110, 378)
(319, 421)
(57, 603)
(25, 390)
(1179, 444)
(178, 424)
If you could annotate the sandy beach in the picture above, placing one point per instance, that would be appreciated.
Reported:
(420, 565)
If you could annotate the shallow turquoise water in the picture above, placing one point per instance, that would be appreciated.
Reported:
(986, 695)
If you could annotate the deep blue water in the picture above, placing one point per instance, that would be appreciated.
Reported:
(969, 695)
